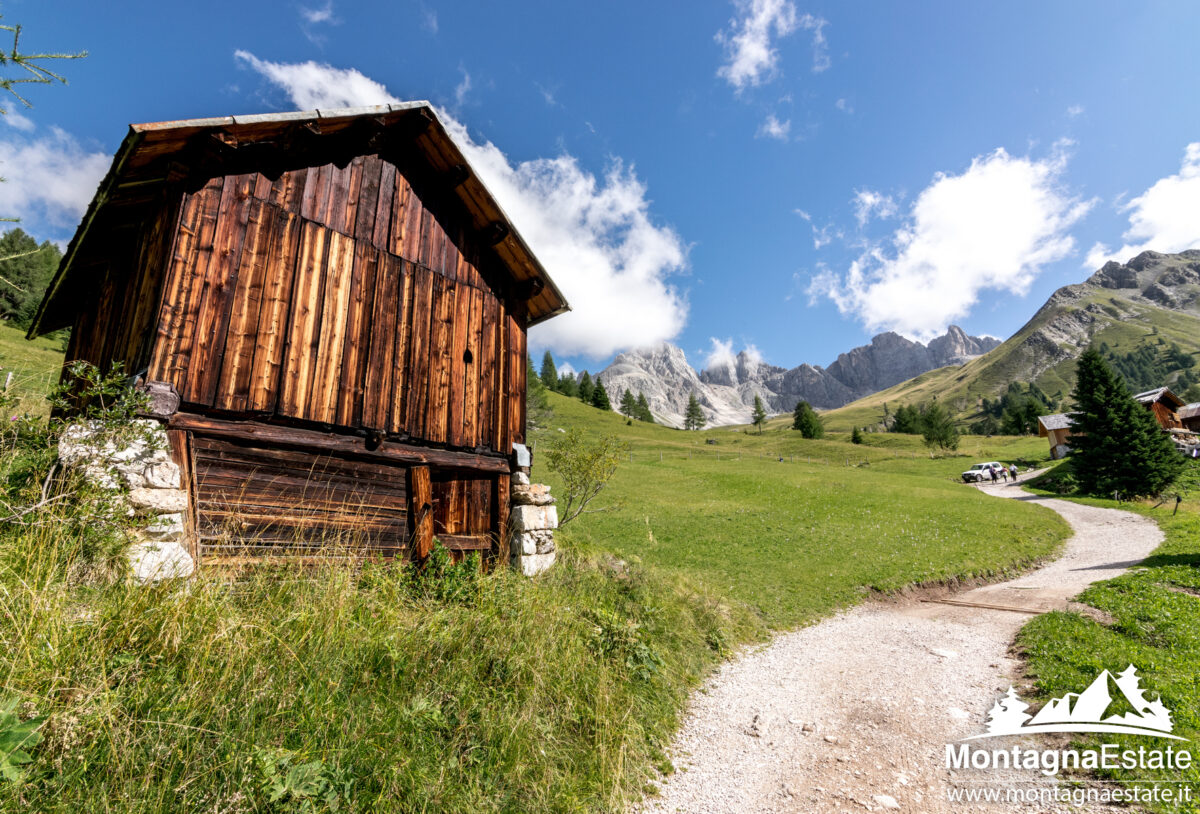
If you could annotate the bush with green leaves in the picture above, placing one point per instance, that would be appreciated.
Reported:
(585, 464)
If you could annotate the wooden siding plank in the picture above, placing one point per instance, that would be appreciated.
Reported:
(232, 392)
(368, 198)
(460, 327)
(440, 342)
(377, 380)
(274, 314)
(313, 203)
(500, 503)
(356, 349)
(170, 311)
(403, 337)
(381, 234)
(487, 371)
(305, 321)
(517, 392)
(416, 396)
(331, 337)
(469, 365)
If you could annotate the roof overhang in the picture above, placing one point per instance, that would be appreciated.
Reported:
(155, 156)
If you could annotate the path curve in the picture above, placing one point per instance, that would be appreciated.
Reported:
(835, 716)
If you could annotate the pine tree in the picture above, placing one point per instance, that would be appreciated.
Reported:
(939, 429)
(693, 417)
(856, 436)
(25, 270)
(600, 396)
(806, 420)
(586, 388)
(643, 409)
(549, 372)
(628, 404)
(537, 404)
(760, 414)
(1118, 445)
(567, 385)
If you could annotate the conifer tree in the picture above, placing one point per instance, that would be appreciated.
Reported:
(1118, 444)
(938, 427)
(600, 396)
(643, 409)
(628, 404)
(549, 372)
(856, 436)
(567, 385)
(760, 413)
(693, 417)
(805, 419)
(586, 388)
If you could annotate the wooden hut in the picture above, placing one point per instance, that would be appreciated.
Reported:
(331, 312)
(1164, 404)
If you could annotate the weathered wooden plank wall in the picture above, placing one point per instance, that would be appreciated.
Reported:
(336, 296)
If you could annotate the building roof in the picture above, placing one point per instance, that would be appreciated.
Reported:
(1189, 411)
(1160, 394)
(189, 152)
(1058, 421)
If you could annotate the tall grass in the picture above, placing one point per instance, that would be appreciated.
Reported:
(339, 688)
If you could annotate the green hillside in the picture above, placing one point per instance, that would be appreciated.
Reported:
(1042, 352)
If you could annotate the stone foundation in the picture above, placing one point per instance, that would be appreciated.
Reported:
(141, 469)
(533, 519)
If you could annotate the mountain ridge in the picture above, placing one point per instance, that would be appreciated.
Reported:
(726, 391)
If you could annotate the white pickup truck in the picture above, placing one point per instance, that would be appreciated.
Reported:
(981, 472)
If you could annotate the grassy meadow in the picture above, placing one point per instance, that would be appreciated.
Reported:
(380, 688)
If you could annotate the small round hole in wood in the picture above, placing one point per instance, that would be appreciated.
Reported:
(467, 357)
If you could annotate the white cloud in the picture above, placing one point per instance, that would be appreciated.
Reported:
(807, 217)
(824, 235)
(566, 369)
(751, 57)
(49, 180)
(429, 20)
(316, 16)
(1164, 218)
(312, 85)
(16, 120)
(594, 235)
(844, 106)
(773, 128)
(820, 46)
(1075, 110)
(868, 203)
(991, 228)
(462, 88)
(720, 355)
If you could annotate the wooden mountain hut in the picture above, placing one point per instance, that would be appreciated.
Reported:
(330, 310)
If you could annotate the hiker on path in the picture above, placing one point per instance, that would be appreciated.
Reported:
(1013, 471)
(993, 469)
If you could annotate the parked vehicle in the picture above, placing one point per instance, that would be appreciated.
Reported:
(982, 472)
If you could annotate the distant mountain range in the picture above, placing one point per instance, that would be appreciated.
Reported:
(726, 392)
(1153, 299)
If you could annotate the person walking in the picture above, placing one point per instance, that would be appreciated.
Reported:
(1012, 470)
(993, 469)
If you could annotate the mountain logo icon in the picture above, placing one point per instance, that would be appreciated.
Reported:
(1088, 711)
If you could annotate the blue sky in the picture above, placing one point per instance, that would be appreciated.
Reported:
(783, 176)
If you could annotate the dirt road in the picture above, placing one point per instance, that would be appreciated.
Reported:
(854, 713)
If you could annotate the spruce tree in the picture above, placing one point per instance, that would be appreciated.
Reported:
(586, 388)
(549, 372)
(1118, 444)
(939, 429)
(567, 385)
(25, 270)
(643, 409)
(600, 396)
(693, 417)
(628, 404)
(760, 413)
(856, 436)
(806, 420)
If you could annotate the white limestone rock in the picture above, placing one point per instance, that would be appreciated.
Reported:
(165, 528)
(534, 518)
(520, 479)
(158, 501)
(154, 561)
(533, 564)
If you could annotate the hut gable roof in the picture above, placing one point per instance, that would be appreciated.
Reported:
(1162, 394)
(1058, 421)
(189, 152)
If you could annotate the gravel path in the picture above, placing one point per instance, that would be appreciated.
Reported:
(854, 713)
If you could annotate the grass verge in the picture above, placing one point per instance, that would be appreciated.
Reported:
(1155, 610)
